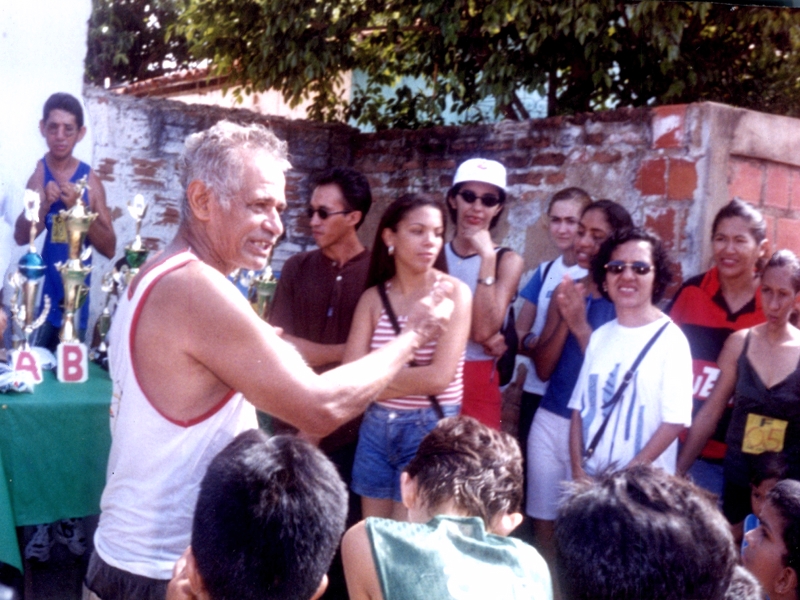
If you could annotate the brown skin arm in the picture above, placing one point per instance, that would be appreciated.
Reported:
(664, 435)
(706, 419)
(359, 565)
(547, 350)
(490, 302)
(186, 362)
(314, 353)
(430, 379)
(576, 446)
(435, 377)
(525, 319)
(101, 233)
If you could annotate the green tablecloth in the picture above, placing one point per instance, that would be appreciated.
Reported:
(54, 447)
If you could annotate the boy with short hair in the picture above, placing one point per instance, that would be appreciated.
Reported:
(463, 491)
(269, 516)
(55, 179)
(642, 533)
(772, 553)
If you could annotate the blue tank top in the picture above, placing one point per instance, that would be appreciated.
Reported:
(55, 250)
(559, 389)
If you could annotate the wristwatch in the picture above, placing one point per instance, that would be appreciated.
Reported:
(487, 280)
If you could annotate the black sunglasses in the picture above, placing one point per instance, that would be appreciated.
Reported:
(616, 267)
(489, 200)
(324, 213)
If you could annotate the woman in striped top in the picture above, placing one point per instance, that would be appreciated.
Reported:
(408, 263)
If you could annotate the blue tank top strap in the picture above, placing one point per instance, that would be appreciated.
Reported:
(82, 171)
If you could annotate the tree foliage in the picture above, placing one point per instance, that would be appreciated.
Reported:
(128, 41)
(581, 55)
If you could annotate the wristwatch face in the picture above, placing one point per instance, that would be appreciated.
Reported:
(486, 280)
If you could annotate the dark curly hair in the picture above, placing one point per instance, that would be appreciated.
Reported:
(663, 276)
(478, 468)
(642, 533)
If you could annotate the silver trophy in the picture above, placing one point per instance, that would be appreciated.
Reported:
(27, 280)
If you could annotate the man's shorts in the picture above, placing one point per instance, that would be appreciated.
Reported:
(387, 441)
(548, 464)
(104, 581)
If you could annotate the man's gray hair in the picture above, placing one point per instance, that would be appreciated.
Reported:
(216, 157)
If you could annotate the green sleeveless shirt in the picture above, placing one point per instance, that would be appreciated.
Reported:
(454, 557)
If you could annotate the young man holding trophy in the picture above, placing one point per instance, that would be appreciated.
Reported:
(60, 179)
(187, 349)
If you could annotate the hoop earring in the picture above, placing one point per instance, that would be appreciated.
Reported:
(390, 250)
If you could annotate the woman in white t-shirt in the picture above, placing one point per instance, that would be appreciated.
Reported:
(563, 217)
(642, 426)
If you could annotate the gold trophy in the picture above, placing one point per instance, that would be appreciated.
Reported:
(27, 280)
(135, 252)
(77, 221)
(260, 290)
(265, 285)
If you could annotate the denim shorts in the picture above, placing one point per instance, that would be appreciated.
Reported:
(387, 441)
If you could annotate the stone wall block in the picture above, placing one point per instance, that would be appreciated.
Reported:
(777, 190)
(745, 179)
(548, 159)
(788, 235)
(668, 126)
(682, 179)
(651, 179)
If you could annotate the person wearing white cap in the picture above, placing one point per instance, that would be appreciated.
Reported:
(475, 202)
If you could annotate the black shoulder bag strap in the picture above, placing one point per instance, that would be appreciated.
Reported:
(587, 454)
(387, 306)
(547, 270)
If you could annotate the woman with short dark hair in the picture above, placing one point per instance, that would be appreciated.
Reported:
(634, 391)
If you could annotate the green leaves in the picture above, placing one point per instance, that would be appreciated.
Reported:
(414, 61)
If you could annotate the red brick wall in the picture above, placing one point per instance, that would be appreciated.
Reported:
(672, 167)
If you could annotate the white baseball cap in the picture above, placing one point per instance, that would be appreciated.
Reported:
(483, 170)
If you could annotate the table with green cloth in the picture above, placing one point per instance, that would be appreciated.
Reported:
(54, 448)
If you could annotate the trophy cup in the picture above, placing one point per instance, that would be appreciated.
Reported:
(104, 320)
(77, 221)
(26, 282)
(261, 289)
(135, 252)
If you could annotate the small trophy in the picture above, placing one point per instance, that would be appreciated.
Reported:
(77, 221)
(104, 320)
(26, 282)
(260, 290)
(135, 252)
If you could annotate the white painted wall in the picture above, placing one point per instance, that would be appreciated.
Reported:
(42, 49)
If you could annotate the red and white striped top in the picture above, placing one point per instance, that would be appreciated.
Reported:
(451, 396)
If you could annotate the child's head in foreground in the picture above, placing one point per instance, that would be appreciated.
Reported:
(642, 533)
(766, 470)
(463, 467)
(772, 553)
(269, 517)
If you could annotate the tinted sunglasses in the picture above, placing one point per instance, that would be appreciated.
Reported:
(324, 213)
(489, 200)
(616, 267)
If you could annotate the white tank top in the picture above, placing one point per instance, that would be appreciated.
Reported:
(466, 269)
(156, 464)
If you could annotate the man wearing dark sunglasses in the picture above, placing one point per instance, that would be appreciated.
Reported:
(475, 203)
(317, 295)
(318, 290)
